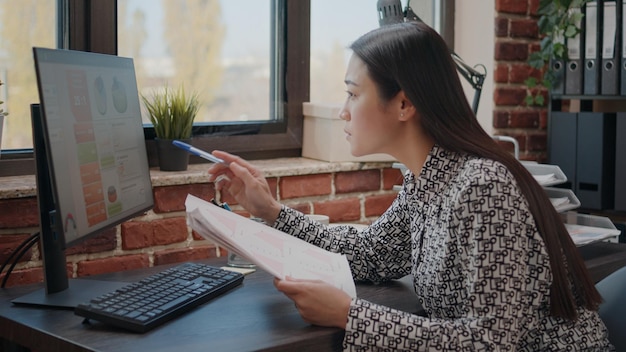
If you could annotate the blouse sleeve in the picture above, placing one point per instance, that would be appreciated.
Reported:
(378, 253)
(503, 279)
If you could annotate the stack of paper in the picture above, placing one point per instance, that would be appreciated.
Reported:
(274, 251)
(587, 234)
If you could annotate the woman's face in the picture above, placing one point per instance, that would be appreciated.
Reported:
(370, 124)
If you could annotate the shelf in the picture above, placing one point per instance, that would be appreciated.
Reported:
(586, 229)
(563, 199)
(545, 174)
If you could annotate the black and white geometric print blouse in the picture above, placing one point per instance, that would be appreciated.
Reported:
(481, 272)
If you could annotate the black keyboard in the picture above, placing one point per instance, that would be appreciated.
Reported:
(143, 305)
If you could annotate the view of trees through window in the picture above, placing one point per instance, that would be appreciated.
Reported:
(220, 49)
(217, 49)
(23, 24)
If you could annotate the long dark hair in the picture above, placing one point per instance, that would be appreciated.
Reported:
(413, 58)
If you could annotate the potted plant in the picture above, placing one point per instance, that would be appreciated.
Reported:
(557, 23)
(2, 115)
(172, 112)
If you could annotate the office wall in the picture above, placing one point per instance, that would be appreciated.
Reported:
(474, 42)
(161, 235)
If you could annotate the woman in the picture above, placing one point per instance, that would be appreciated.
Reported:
(493, 265)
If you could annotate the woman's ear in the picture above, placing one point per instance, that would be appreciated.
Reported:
(407, 110)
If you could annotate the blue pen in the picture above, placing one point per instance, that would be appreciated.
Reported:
(201, 153)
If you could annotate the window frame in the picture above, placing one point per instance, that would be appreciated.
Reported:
(92, 26)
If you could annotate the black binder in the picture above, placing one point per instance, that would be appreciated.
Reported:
(574, 64)
(557, 66)
(610, 61)
(595, 160)
(623, 51)
(620, 162)
(593, 36)
(562, 144)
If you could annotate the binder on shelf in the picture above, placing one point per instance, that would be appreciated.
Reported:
(623, 53)
(595, 160)
(609, 80)
(557, 66)
(562, 144)
(574, 64)
(591, 70)
(620, 163)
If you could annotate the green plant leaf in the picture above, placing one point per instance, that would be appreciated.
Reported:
(531, 82)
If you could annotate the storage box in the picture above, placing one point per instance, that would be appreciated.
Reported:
(545, 174)
(563, 199)
(586, 229)
(323, 137)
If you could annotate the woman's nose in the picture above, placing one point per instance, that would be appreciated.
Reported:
(343, 114)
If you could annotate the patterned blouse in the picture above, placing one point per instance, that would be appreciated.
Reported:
(481, 271)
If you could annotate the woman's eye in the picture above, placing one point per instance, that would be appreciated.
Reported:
(350, 94)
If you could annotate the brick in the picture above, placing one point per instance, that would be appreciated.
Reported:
(136, 234)
(524, 119)
(180, 255)
(305, 186)
(501, 26)
(509, 96)
(512, 6)
(168, 231)
(501, 73)
(511, 51)
(23, 277)
(172, 198)
(543, 119)
(392, 177)
(524, 28)
(304, 208)
(533, 7)
(105, 241)
(537, 142)
(520, 72)
(357, 181)
(19, 213)
(10, 243)
(501, 119)
(340, 210)
(378, 204)
(112, 264)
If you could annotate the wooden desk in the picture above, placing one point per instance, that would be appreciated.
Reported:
(603, 258)
(253, 316)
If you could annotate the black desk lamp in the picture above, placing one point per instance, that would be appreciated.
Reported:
(390, 11)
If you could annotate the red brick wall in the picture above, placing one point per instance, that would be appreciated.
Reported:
(517, 35)
(161, 235)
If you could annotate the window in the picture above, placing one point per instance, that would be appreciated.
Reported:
(92, 26)
(32, 19)
(255, 106)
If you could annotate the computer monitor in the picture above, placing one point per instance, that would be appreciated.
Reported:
(92, 166)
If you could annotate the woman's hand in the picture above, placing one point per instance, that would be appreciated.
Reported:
(246, 184)
(319, 303)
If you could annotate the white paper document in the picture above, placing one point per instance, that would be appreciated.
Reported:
(272, 250)
(588, 234)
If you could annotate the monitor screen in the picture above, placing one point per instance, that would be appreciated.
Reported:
(92, 165)
(94, 139)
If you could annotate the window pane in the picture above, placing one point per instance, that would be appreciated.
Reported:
(23, 24)
(219, 49)
(334, 26)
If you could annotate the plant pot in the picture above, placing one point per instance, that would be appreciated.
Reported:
(172, 158)
(1, 124)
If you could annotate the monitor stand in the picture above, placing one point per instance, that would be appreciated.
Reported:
(79, 291)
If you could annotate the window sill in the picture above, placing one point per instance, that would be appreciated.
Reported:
(25, 186)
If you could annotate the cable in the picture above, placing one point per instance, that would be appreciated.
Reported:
(19, 251)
